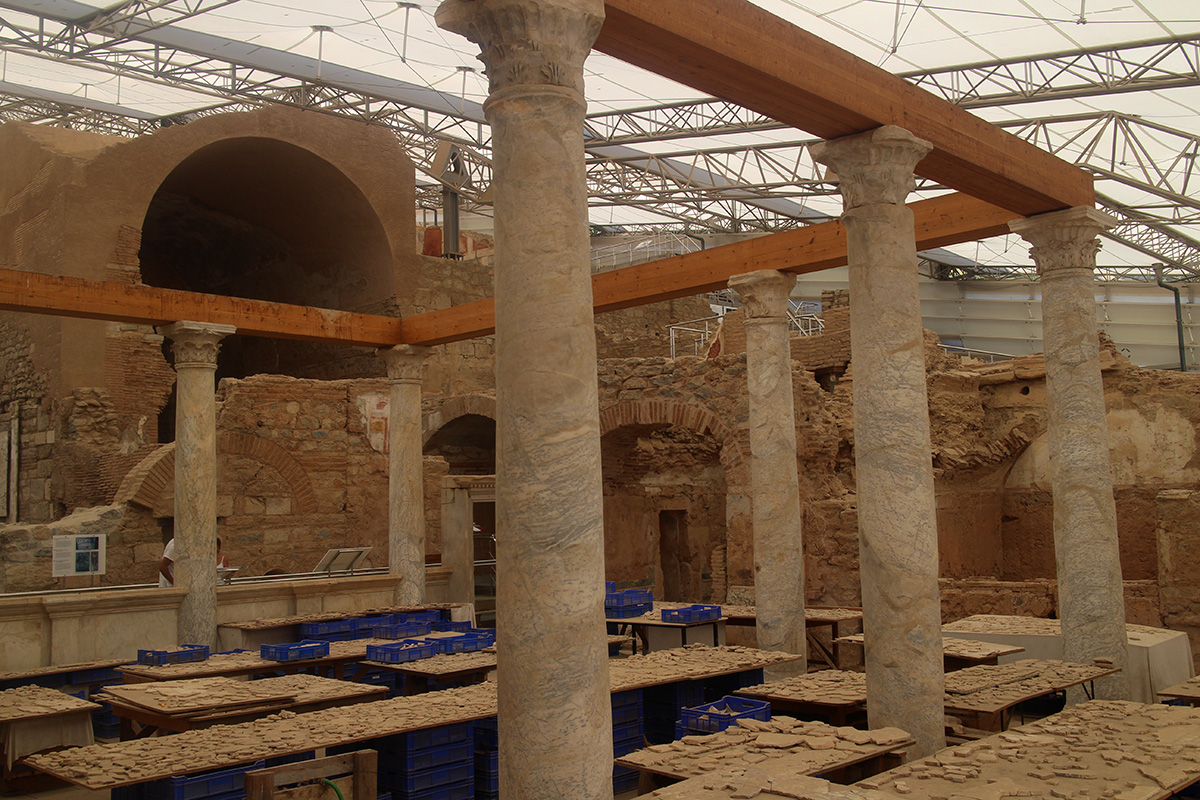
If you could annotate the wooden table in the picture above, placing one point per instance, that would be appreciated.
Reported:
(1140, 752)
(655, 634)
(126, 763)
(815, 618)
(86, 673)
(749, 781)
(34, 718)
(250, 663)
(985, 695)
(424, 674)
(199, 703)
(1188, 690)
(957, 653)
(782, 746)
(253, 633)
(830, 695)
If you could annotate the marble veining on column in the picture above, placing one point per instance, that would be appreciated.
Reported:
(897, 521)
(1091, 598)
(406, 488)
(196, 345)
(554, 710)
(775, 483)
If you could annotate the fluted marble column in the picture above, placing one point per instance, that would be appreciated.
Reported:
(897, 525)
(196, 345)
(554, 709)
(1091, 601)
(406, 485)
(774, 481)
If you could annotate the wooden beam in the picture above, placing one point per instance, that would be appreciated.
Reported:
(949, 219)
(119, 302)
(737, 51)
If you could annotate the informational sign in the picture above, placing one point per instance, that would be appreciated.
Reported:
(79, 554)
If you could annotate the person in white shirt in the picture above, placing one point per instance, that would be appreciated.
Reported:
(166, 567)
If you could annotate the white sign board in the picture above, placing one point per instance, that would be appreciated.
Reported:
(79, 554)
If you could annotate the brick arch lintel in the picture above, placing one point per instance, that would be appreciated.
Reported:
(146, 482)
(693, 417)
(480, 405)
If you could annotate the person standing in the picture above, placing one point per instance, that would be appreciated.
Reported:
(166, 567)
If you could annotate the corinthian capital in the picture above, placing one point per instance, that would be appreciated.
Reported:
(765, 292)
(1064, 239)
(196, 344)
(404, 362)
(527, 42)
(873, 167)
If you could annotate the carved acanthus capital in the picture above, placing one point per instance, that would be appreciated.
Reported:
(873, 167)
(196, 344)
(1064, 239)
(765, 292)
(527, 42)
(404, 362)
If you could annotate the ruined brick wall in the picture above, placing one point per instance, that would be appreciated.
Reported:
(643, 332)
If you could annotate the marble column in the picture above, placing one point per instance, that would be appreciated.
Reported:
(1091, 601)
(458, 542)
(406, 480)
(774, 480)
(554, 711)
(897, 525)
(196, 345)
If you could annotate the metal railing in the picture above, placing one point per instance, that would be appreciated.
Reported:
(640, 250)
(987, 356)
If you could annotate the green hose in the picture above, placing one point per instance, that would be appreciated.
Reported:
(333, 786)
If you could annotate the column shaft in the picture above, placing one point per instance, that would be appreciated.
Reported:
(554, 711)
(196, 346)
(898, 556)
(406, 487)
(1091, 600)
(775, 483)
(458, 544)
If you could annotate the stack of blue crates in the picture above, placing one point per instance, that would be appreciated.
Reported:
(221, 784)
(105, 724)
(334, 630)
(663, 706)
(487, 760)
(629, 603)
(429, 764)
(629, 735)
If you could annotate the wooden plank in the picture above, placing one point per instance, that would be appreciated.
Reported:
(147, 305)
(739, 52)
(939, 221)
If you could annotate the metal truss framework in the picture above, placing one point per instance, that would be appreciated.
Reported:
(733, 188)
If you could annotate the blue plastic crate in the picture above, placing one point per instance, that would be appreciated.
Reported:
(426, 738)
(431, 616)
(629, 730)
(294, 758)
(625, 783)
(624, 612)
(445, 755)
(372, 621)
(458, 791)
(632, 697)
(626, 714)
(416, 781)
(693, 613)
(444, 625)
(202, 785)
(324, 628)
(400, 630)
(299, 651)
(462, 643)
(629, 597)
(713, 717)
(186, 653)
(400, 652)
(610, 587)
(104, 675)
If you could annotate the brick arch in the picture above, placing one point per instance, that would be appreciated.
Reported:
(693, 417)
(146, 482)
(481, 405)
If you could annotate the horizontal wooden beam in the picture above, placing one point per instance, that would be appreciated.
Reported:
(737, 51)
(147, 305)
(940, 221)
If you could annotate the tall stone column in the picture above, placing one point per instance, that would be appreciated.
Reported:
(196, 345)
(554, 710)
(775, 483)
(897, 525)
(1091, 600)
(406, 482)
